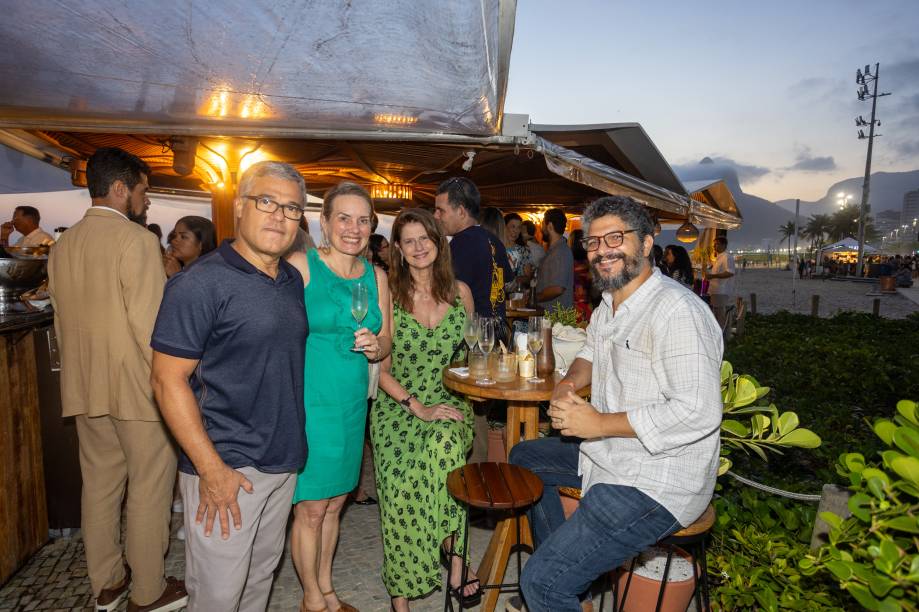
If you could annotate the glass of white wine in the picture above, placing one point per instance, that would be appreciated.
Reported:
(471, 331)
(486, 343)
(534, 341)
(360, 302)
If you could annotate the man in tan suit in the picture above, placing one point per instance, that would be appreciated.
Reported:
(106, 281)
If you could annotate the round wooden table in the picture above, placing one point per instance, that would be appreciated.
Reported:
(522, 424)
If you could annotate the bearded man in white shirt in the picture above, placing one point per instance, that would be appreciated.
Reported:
(721, 280)
(645, 451)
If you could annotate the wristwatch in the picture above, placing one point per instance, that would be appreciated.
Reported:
(407, 402)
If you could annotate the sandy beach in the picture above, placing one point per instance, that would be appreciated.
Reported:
(773, 289)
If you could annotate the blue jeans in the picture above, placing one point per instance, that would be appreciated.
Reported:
(612, 524)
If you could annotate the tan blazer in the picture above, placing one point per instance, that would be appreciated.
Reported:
(106, 282)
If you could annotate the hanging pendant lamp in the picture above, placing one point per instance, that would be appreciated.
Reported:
(687, 232)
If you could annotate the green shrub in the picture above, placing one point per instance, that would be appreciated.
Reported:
(757, 544)
(874, 554)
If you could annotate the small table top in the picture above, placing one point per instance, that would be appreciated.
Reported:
(524, 313)
(519, 389)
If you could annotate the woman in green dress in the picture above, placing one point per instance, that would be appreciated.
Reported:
(335, 383)
(420, 430)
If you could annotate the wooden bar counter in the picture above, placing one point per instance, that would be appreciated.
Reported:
(23, 509)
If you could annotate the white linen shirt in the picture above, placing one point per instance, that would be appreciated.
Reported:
(722, 286)
(658, 359)
(35, 238)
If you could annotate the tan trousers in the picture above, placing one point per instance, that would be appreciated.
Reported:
(113, 454)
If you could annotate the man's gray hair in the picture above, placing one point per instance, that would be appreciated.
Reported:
(633, 213)
(275, 169)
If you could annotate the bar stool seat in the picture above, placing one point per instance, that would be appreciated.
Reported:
(491, 486)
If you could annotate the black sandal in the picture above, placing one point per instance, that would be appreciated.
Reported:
(465, 601)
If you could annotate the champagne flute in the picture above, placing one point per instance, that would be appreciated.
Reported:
(534, 341)
(471, 331)
(360, 301)
(486, 343)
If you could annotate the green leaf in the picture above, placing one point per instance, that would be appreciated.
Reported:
(745, 392)
(840, 569)
(889, 605)
(880, 585)
(909, 411)
(884, 429)
(907, 440)
(831, 519)
(760, 423)
(801, 438)
(735, 428)
(726, 371)
(863, 596)
(908, 524)
(860, 507)
(890, 552)
(787, 422)
(724, 464)
(889, 455)
(907, 468)
(876, 486)
(854, 462)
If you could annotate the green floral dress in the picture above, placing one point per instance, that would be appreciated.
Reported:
(413, 457)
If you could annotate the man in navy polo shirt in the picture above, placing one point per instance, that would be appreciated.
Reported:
(228, 358)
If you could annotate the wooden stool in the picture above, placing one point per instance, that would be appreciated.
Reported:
(692, 540)
(490, 486)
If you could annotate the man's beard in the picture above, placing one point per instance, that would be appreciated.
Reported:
(630, 270)
(140, 219)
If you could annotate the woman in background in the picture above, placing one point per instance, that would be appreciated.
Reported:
(192, 237)
(677, 265)
(518, 253)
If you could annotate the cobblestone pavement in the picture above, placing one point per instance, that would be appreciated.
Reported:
(55, 578)
(773, 293)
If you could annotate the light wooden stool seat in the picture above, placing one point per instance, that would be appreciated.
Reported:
(491, 486)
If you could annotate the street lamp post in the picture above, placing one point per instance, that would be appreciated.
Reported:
(863, 95)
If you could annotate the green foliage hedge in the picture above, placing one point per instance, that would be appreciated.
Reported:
(836, 374)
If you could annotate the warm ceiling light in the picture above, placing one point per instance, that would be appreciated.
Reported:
(687, 232)
(391, 191)
(394, 119)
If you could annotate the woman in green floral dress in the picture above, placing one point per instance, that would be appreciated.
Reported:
(420, 430)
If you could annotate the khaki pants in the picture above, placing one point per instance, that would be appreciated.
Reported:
(236, 573)
(140, 455)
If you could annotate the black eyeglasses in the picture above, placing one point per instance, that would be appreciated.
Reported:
(267, 205)
(612, 240)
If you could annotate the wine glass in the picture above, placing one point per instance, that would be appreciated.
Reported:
(471, 331)
(360, 301)
(486, 343)
(534, 341)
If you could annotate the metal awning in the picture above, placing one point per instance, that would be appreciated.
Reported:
(402, 92)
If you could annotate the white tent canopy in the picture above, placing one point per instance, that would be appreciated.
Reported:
(846, 245)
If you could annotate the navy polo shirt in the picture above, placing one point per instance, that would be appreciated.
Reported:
(248, 332)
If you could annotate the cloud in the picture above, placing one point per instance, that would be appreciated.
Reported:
(715, 166)
(812, 163)
(817, 88)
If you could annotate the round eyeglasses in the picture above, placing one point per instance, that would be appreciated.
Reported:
(267, 205)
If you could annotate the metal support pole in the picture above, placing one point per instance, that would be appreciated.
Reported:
(794, 265)
(866, 186)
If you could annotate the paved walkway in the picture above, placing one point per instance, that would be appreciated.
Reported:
(55, 578)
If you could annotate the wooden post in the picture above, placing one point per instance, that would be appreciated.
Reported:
(815, 305)
(752, 303)
(876, 307)
(222, 213)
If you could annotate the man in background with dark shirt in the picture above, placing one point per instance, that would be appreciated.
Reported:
(479, 257)
(228, 357)
(480, 261)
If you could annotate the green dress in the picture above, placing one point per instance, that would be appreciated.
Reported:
(335, 382)
(412, 457)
